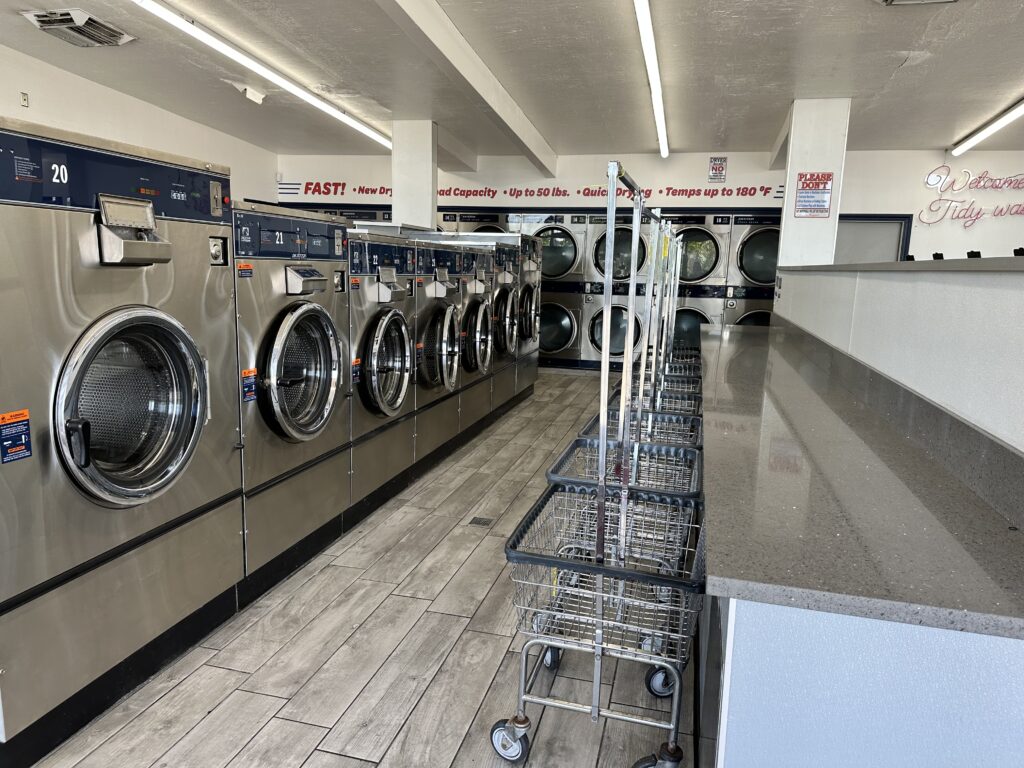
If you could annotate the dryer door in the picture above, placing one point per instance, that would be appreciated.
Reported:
(557, 328)
(759, 256)
(302, 371)
(389, 358)
(698, 253)
(440, 365)
(621, 253)
(620, 327)
(688, 323)
(559, 252)
(480, 339)
(529, 315)
(130, 406)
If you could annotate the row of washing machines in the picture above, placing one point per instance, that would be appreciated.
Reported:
(191, 388)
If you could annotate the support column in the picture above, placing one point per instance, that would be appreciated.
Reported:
(815, 153)
(414, 173)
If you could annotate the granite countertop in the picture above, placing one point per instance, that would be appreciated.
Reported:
(814, 501)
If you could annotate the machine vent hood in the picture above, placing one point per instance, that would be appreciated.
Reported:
(75, 26)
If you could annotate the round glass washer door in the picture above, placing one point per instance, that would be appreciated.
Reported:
(388, 362)
(529, 316)
(557, 328)
(130, 406)
(620, 253)
(302, 370)
(440, 365)
(559, 252)
(698, 253)
(506, 312)
(480, 341)
(759, 256)
(619, 329)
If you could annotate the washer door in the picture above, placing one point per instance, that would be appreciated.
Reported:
(756, 317)
(302, 369)
(506, 312)
(557, 328)
(699, 254)
(480, 340)
(620, 253)
(440, 365)
(619, 329)
(759, 256)
(559, 252)
(529, 317)
(130, 406)
(689, 321)
(389, 362)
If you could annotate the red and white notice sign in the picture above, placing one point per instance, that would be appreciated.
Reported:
(813, 194)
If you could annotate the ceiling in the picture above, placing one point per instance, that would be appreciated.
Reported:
(919, 76)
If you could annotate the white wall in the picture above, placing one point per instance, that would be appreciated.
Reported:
(62, 100)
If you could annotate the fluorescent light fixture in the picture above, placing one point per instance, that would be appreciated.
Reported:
(646, 26)
(983, 133)
(198, 33)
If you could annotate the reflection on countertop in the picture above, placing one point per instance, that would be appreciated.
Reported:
(814, 501)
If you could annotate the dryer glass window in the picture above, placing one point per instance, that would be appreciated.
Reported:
(303, 369)
(699, 254)
(558, 252)
(390, 362)
(757, 317)
(557, 328)
(130, 406)
(620, 253)
(688, 323)
(759, 256)
(619, 329)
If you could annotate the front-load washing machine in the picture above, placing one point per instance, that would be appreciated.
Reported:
(755, 246)
(563, 242)
(120, 468)
(621, 252)
(291, 286)
(530, 269)
(478, 332)
(703, 248)
(437, 333)
(382, 306)
(505, 312)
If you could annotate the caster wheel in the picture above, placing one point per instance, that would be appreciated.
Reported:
(552, 658)
(659, 683)
(646, 762)
(508, 749)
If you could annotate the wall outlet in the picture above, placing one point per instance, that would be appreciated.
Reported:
(24, 99)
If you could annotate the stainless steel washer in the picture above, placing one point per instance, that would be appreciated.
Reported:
(505, 308)
(291, 284)
(530, 299)
(478, 332)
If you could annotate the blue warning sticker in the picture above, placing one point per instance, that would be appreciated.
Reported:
(248, 385)
(15, 436)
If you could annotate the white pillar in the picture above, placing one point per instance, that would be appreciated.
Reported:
(414, 173)
(815, 157)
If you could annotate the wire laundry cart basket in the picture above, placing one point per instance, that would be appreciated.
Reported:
(610, 561)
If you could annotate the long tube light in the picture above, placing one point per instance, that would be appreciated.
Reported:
(646, 26)
(983, 133)
(198, 33)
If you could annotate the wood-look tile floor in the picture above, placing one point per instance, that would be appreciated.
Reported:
(396, 646)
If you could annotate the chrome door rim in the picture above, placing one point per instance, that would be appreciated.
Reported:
(511, 321)
(389, 407)
(638, 330)
(529, 313)
(450, 342)
(575, 247)
(443, 330)
(294, 431)
(572, 322)
(718, 253)
(743, 244)
(94, 480)
(483, 340)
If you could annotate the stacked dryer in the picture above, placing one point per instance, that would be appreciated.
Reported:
(704, 249)
(382, 307)
(437, 332)
(752, 272)
(563, 246)
(120, 472)
(291, 285)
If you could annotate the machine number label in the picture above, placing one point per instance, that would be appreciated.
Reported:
(244, 269)
(15, 436)
(249, 385)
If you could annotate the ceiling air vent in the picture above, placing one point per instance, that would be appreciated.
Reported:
(75, 26)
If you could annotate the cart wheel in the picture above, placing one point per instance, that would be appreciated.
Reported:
(509, 749)
(659, 683)
(552, 658)
(646, 762)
